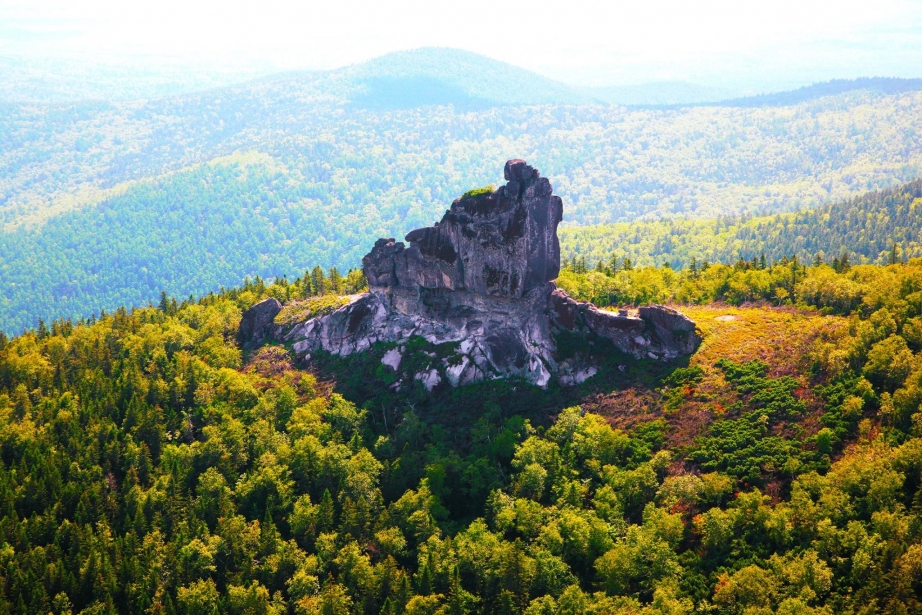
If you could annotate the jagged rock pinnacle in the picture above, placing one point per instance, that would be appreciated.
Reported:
(482, 277)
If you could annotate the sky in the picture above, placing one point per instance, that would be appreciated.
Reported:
(731, 43)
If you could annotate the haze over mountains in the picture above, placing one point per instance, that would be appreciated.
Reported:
(109, 202)
(404, 78)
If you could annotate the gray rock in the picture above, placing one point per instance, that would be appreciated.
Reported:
(493, 245)
(257, 323)
(430, 378)
(482, 277)
(392, 358)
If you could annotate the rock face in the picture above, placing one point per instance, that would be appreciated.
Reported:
(482, 279)
(258, 322)
(502, 244)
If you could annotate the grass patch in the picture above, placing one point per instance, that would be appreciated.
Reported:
(478, 192)
(305, 309)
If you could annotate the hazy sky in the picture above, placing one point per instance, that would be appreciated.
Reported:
(599, 43)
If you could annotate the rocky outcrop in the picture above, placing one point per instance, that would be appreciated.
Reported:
(258, 323)
(657, 332)
(480, 283)
(502, 244)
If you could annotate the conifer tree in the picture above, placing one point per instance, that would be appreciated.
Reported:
(318, 281)
(336, 281)
(894, 256)
(844, 264)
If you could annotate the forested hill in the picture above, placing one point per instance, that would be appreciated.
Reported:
(444, 76)
(879, 85)
(108, 203)
(148, 466)
(609, 163)
(866, 228)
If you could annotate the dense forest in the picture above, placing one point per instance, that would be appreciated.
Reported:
(882, 85)
(80, 264)
(866, 228)
(609, 163)
(98, 201)
(149, 466)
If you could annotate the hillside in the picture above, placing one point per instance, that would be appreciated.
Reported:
(290, 175)
(611, 163)
(878, 85)
(442, 76)
(37, 79)
(660, 93)
(149, 465)
(865, 227)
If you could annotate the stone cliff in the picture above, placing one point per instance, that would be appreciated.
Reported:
(482, 280)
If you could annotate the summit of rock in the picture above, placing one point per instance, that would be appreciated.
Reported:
(500, 244)
(482, 279)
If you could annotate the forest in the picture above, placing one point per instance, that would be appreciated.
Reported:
(148, 465)
(865, 229)
(81, 264)
(97, 198)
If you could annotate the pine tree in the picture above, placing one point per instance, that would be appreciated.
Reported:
(326, 513)
(388, 608)
(844, 264)
(318, 281)
(336, 281)
(460, 602)
(894, 257)
(613, 265)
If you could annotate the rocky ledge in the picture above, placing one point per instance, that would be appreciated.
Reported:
(479, 282)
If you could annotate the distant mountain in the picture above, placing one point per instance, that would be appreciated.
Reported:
(105, 203)
(661, 93)
(440, 76)
(866, 227)
(59, 80)
(877, 85)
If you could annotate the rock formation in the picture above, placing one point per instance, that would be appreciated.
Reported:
(258, 323)
(482, 279)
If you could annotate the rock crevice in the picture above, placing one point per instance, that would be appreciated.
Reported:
(482, 277)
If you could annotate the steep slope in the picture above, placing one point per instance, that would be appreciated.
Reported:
(866, 228)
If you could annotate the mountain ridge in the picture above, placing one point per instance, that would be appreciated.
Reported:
(467, 79)
(865, 228)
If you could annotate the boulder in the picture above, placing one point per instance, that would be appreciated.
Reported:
(258, 323)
